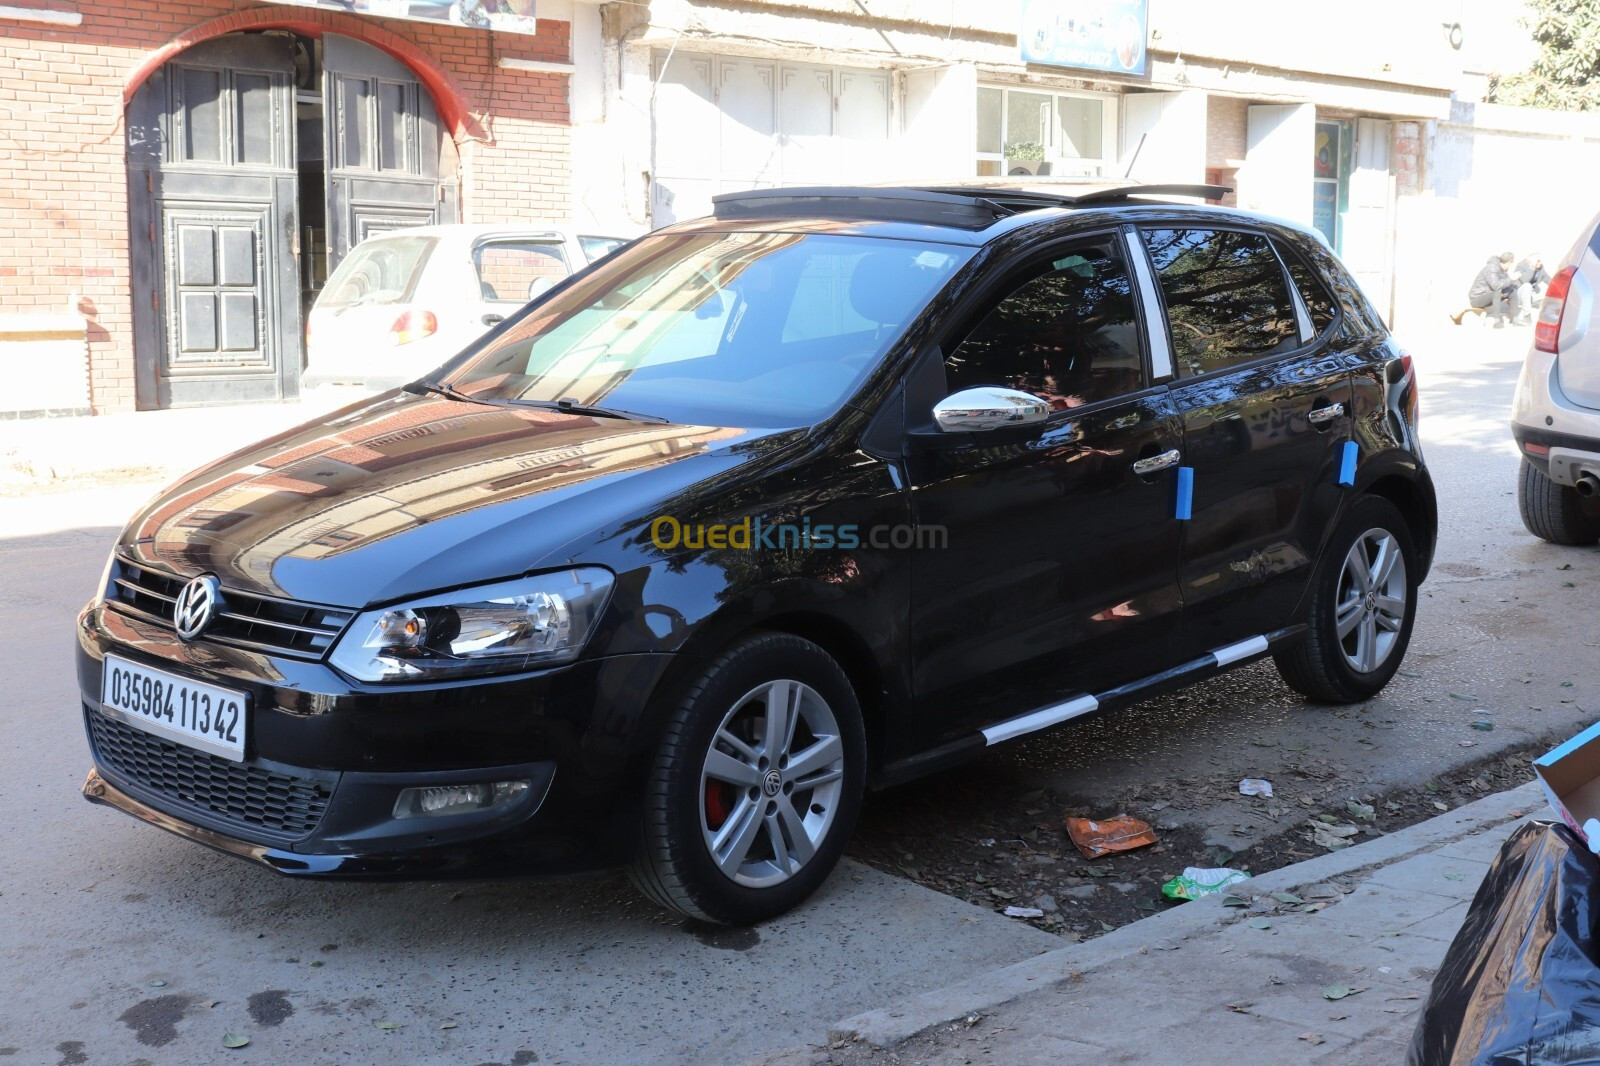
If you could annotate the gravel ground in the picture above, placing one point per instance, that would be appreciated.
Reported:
(965, 834)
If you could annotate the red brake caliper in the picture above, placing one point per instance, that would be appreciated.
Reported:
(718, 803)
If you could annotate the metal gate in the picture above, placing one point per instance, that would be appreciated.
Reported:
(215, 212)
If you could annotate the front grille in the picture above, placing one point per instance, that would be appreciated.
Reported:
(244, 796)
(246, 620)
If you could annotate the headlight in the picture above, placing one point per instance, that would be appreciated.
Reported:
(500, 628)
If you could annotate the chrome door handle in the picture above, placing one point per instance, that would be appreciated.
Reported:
(1144, 467)
(1325, 414)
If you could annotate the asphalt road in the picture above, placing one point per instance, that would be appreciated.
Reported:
(121, 944)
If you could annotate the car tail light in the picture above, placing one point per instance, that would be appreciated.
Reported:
(413, 326)
(1547, 331)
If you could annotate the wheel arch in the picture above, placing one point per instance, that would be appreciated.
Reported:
(1413, 497)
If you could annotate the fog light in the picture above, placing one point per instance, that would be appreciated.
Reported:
(440, 800)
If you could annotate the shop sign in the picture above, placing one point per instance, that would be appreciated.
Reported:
(512, 16)
(1106, 35)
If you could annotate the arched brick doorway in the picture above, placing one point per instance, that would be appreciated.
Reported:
(256, 160)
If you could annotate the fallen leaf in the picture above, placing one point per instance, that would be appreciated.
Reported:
(1287, 897)
(1568, 585)
(1235, 901)
(158, 984)
(1363, 811)
(1459, 696)
(1440, 806)
(1260, 923)
(234, 1040)
(1483, 727)
(318, 962)
(1340, 991)
(1000, 893)
(1241, 1007)
(1566, 684)
(448, 1025)
(387, 1025)
(1311, 1038)
(1453, 876)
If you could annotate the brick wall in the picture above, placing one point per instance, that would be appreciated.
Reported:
(63, 177)
(1227, 120)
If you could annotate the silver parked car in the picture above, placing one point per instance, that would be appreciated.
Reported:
(1556, 415)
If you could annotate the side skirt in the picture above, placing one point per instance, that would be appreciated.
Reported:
(1213, 662)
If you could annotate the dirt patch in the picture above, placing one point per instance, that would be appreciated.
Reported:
(968, 837)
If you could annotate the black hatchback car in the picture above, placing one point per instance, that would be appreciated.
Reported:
(829, 490)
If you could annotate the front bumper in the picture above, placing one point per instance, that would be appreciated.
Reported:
(326, 759)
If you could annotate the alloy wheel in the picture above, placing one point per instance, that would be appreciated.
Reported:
(1370, 608)
(770, 785)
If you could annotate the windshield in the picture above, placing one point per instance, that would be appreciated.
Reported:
(377, 272)
(721, 329)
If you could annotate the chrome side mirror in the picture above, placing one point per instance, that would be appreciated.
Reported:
(982, 409)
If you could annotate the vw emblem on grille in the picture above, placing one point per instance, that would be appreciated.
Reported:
(196, 605)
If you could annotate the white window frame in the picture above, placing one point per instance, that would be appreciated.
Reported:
(1061, 166)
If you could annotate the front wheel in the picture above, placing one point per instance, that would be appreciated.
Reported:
(1362, 608)
(756, 785)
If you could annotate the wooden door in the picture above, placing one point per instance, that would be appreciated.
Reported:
(213, 221)
(383, 147)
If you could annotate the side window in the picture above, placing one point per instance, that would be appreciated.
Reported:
(1319, 303)
(1227, 301)
(518, 270)
(1068, 333)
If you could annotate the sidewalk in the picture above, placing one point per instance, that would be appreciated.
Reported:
(144, 445)
(1265, 983)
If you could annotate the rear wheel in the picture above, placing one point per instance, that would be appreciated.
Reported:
(1362, 608)
(756, 785)
(1555, 512)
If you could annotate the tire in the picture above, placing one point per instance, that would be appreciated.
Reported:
(715, 793)
(1332, 668)
(1555, 512)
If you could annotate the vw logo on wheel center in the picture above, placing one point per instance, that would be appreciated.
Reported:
(196, 605)
(772, 783)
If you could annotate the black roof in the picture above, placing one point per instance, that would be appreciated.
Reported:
(961, 205)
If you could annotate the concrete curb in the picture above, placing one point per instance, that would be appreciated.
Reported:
(888, 1026)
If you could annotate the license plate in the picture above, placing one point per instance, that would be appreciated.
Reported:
(177, 708)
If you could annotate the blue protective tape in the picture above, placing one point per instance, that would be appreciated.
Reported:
(1347, 463)
(1185, 503)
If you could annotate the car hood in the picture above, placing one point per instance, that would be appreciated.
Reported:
(408, 494)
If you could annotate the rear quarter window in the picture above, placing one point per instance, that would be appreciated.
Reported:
(1320, 303)
(1226, 298)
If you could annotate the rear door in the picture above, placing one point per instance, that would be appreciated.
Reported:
(507, 272)
(1263, 402)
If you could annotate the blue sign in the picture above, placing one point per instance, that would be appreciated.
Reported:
(1106, 35)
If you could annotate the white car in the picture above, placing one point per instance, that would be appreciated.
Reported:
(405, 301)
(1555, 417)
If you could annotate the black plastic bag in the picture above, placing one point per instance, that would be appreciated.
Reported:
(1521, 981)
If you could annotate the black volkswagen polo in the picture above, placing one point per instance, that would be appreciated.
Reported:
(832, 489)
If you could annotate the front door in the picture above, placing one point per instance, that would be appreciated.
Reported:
(213, 214)
(1058, 568)
(1265, 418)
(383, 147)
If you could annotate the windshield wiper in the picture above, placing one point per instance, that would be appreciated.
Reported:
(573, 407)
(446, 390)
